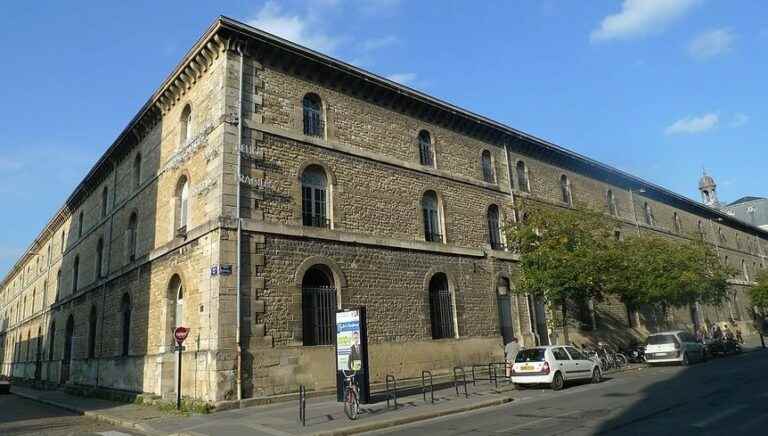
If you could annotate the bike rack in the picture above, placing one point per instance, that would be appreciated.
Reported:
(425, 388)
(456, 371)
(492, 374)
(391, 392)
(303, 405)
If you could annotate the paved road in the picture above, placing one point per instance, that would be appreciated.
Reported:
(19, 416)
(726, 396)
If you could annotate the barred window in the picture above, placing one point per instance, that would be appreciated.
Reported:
(487, 164)
(440, 307)
(648, 214)
(611, 203)
(494, 228)
(314, 193)
(432, 217)
(125, 309)
(92, 326)
(522, 177)
(313, 116)
(426, 153)
(565, 190)
(318, 304)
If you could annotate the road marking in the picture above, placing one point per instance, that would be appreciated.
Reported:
(718, 416)
(539, 421)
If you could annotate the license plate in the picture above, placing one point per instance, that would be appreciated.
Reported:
(661, 354)
(527, 367)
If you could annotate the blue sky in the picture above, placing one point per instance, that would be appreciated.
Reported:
(659, 88)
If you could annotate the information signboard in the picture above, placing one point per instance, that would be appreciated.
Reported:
(352, 351)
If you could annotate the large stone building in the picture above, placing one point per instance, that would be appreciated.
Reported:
(340, 189)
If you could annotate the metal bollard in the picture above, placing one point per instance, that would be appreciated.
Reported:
(303, 405)
(424, 374)
(391, 392)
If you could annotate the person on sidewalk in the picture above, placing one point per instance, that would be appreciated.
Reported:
(510, 352)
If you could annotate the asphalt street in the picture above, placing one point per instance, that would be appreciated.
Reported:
(19, 416)
(726, 396)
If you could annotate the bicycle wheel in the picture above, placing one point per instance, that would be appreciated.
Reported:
(621, 360)
(351, 404)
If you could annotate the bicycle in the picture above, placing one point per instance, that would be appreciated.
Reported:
(351, 395)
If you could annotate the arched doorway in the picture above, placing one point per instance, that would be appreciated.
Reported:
(69, 334)
(318, 306)
(504, 303)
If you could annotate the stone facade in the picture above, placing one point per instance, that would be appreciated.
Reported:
(243, 152)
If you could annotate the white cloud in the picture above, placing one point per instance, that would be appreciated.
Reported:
(738, 120)
(710, 44)
(693, 124)
(640, 17)
(377, 43)
(300, 29)
(403, 78)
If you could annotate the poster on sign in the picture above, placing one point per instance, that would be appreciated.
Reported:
(352, 352)
(348, 341)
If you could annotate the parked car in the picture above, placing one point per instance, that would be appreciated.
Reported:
(553, 365)
(5, 385)
(674, 347)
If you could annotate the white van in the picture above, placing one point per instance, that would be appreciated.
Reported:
(674, 347)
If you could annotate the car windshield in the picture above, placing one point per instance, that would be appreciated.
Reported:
(662, 339)
(530, 355)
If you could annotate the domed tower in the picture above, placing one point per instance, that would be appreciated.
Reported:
(708, 189)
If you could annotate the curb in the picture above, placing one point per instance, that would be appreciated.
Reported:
(382, 424)
(95, 415)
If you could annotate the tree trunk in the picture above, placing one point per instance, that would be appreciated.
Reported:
(564, 307)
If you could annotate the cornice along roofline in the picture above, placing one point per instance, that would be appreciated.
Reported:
(213, 42)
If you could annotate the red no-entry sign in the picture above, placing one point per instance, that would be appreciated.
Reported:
(180, 333)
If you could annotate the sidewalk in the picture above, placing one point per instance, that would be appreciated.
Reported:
(325, 416)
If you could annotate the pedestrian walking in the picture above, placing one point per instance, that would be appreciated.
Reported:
(510, 352)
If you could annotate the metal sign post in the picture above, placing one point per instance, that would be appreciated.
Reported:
(180, 333)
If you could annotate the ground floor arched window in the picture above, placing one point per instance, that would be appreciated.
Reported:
(318, 306)
(440, 307)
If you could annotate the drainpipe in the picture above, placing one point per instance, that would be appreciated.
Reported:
(241, 52)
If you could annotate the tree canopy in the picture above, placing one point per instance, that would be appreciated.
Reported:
(758, 294)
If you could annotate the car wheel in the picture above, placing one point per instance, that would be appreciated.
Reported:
(685, 361)
(557, 382)
(596, 376)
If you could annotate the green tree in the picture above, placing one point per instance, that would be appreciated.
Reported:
(566, 255)
(758, 294)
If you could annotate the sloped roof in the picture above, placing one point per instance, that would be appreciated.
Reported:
(745, 200)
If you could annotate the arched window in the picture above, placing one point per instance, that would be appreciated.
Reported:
(175, 301)
(440, 307)
(430, 209)
(648, 214)
(185, 126)
(137, 170)
(565, 190)
(51, 340)
(125, 325)
(494, 228)
(522, 177)
(100, 258)
(612, 210)
(318, 306)
(314, 193)
(744, 270)
(63, 242)
(24, 309)
(80, 224)
(104, 202)
(313, 115)
(487, 163)
(92, 328)
(182, 205)
(132, 236)
(426, 154)
(29, 343)
(34, 296)
(179, 317)
(676, 223)
(75, 273)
